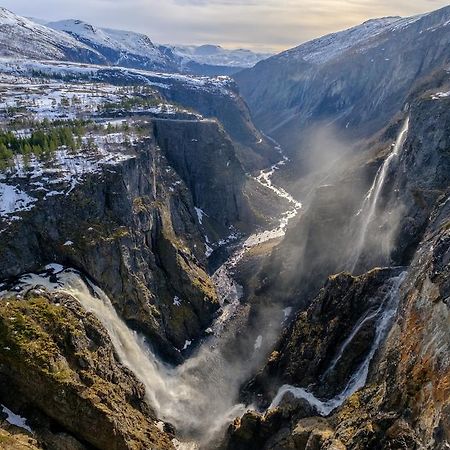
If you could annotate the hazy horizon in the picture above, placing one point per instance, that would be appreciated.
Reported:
(264, 25)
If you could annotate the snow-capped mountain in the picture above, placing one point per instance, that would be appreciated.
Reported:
(215, 55)
(81, 42)
(121, 48)
(136, 50)
(22, 37)
(349, 78)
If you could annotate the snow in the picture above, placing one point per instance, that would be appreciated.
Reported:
(68, 244)
(55, 268)
(221, 85)
(17, 33)
(333, 46)
(127, 43)
(200, 215)
(13, 200)
(439, 95)
(66, 170)
(141, 45)
(176, 301)
(15, 419)
(215, 55)
(209, 250)
(187, 344)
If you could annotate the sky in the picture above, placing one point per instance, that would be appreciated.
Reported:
(261, 25)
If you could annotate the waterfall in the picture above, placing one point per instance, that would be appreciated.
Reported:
(199, 397)
(359, 378)
(355, 331)
(368, 210)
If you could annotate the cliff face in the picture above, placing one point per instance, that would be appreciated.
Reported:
(214, 98)
(324, 239)
(58, 367)
(332, 80)
(346, 306)
(118, 226)
(355, 386)
(207, 161)
(132, 227)
(405, 403)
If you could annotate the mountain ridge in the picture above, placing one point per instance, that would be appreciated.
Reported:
(78, 41)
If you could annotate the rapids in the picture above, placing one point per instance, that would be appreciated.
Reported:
(199, 397)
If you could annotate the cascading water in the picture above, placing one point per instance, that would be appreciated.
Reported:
(200, 396)
(386, 313)
(196, 397)
(366, 215)
(367, 318)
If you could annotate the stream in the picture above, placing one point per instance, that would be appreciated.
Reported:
(199, 397)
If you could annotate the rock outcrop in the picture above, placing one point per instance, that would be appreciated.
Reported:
(58, 366)
(406, 401)
(332, 80)
(207, 161)
(337, 329)
(134, 236)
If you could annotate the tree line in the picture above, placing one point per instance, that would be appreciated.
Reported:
(41, 142)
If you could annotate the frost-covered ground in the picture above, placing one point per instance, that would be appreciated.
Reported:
(24, 183)
(26, 67)
(37, 98)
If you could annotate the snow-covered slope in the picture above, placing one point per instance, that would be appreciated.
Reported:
(118, 47)
(81, 42)
(215, 55)
(331, 46)
(355, 79)
(22, 37)
(138, 51)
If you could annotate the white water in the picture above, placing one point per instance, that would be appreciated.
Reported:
(368, 210)
(265, 179)
(200, 396)
(359, 378)
(196, 397)
(229, 291)
(350, 338)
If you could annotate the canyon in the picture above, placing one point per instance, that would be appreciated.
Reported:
(193, 262)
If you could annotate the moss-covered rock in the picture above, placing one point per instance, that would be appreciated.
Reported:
(58, 362)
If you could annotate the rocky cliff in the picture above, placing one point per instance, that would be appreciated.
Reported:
(332, 80)
(355, 387)
(405, 403)
(133, 227)
(59, 368)
(324, 238)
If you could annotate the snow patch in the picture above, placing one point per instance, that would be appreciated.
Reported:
(187, 344)
(15, 419)
(55, 268)
(13, 200)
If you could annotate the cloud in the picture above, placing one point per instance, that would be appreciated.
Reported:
(258, 24)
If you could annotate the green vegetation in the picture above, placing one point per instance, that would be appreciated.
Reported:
(34, 330)
(43, 141)
(130, 103)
